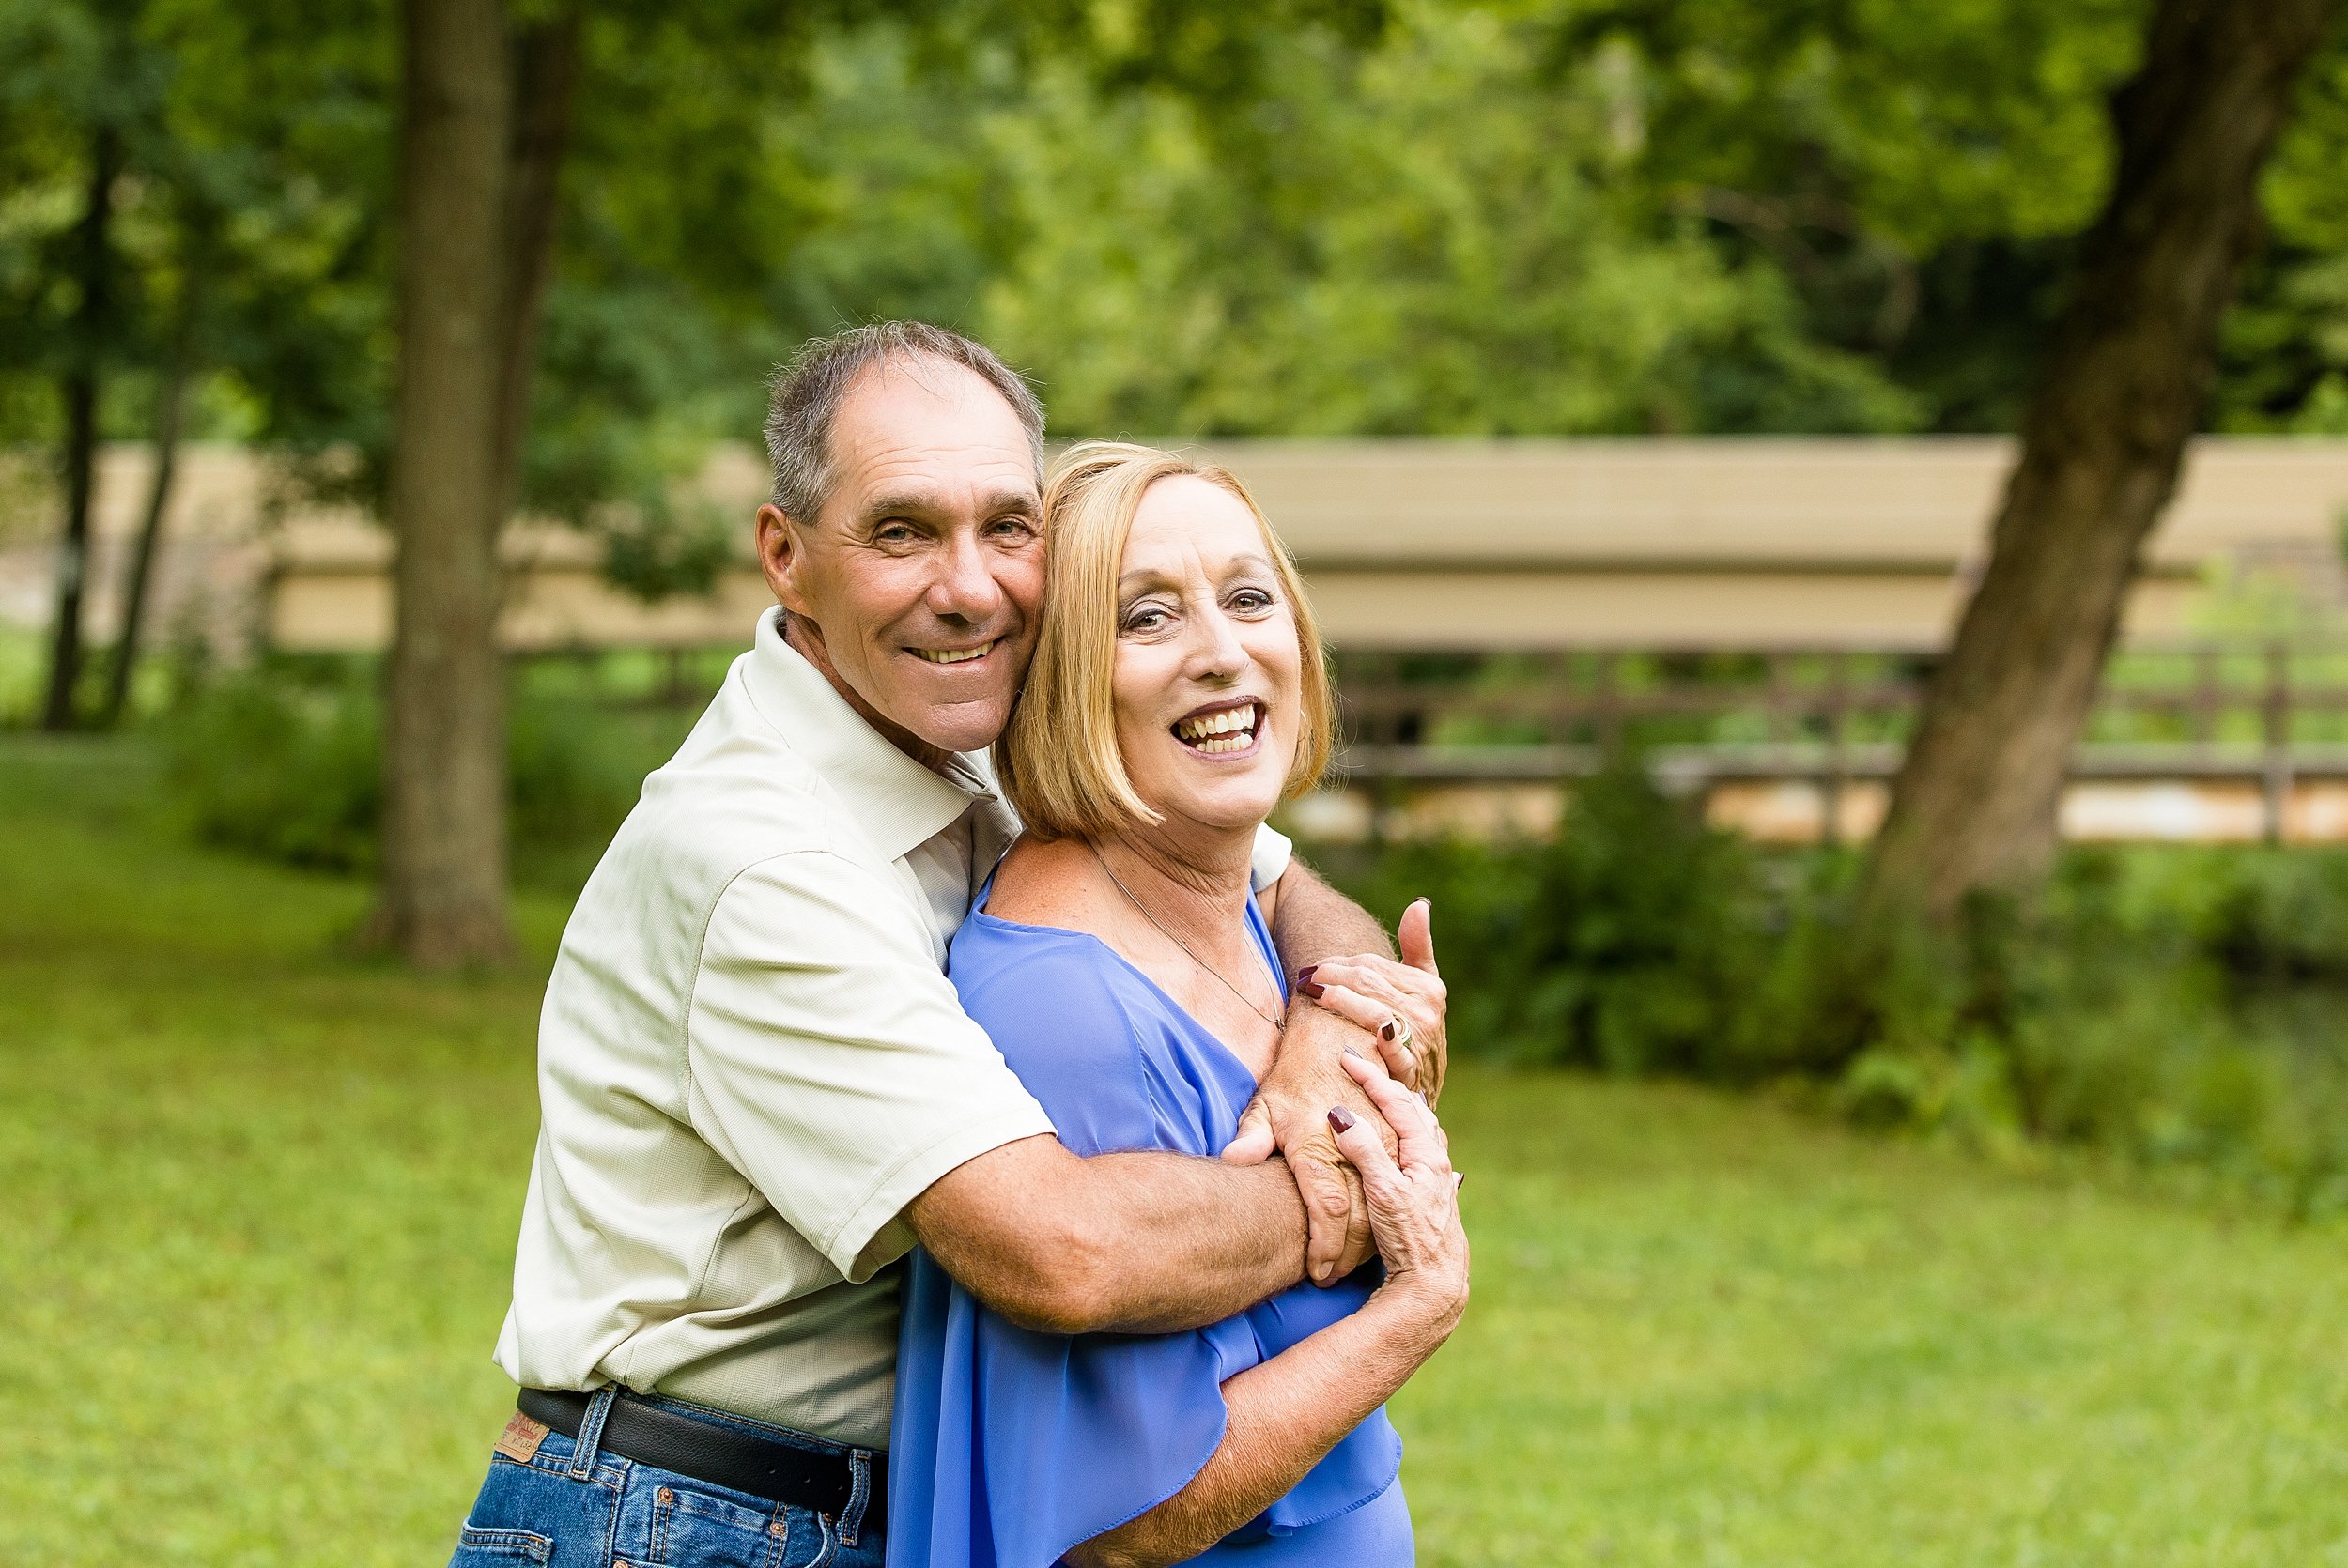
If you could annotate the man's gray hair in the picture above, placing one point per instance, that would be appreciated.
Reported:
(804, 396)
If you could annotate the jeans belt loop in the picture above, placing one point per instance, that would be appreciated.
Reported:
(859, 1493)
(590, 1439)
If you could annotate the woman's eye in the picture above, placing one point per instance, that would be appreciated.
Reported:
(1148, 617)
(1249, 600)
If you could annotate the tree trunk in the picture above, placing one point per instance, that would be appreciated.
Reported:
(488, 128)
(92, 329)
(2125, 383)
(444, 839)
(171, 405)
(546, 83)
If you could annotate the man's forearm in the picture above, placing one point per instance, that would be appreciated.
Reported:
(1143, 1242)
(1312, 920)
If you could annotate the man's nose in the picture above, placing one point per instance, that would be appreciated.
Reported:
(964, 588)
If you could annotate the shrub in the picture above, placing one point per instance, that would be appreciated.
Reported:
(2282, 917)
(283, 760)
(2173, 1009)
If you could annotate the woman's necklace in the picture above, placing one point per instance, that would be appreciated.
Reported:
(1279, 1025)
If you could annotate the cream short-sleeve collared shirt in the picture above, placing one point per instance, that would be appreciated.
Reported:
(750, 1060)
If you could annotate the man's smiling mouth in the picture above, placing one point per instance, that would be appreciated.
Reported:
(1229, 730)
(955, 655)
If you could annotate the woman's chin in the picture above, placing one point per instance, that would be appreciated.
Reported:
(1238, 805)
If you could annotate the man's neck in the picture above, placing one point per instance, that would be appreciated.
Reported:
(807, 639)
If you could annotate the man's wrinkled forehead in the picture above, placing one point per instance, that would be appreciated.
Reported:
(926, 435)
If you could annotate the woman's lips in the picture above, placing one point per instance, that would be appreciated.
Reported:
(1221, 733)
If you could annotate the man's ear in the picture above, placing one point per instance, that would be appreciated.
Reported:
(781, 557)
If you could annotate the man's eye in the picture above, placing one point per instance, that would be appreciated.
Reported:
(1012, 527)
(894, 533)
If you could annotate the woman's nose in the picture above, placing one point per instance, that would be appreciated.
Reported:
(1216, 650)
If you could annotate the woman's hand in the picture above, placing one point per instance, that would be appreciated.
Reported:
(1413, 1202)
(1402, 1004)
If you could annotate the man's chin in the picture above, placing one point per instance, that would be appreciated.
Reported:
(970, 726)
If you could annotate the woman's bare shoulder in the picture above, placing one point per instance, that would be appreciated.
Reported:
(1051, 882)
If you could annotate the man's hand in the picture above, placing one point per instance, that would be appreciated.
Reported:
(1290, 1114)
(1402, 1004)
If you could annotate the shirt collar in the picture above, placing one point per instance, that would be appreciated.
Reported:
(896, 801)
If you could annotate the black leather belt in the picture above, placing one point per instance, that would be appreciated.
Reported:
(766, 1468)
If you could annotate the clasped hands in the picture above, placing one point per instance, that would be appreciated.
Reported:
(1387, 1011)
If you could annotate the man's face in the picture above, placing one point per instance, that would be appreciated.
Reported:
(918, 586)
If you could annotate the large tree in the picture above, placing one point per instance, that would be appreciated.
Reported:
(444, 846)
(2127, 383)
(484, 119)
(487, 113)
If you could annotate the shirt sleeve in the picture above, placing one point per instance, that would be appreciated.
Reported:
(831, 1062)
(1269, 860)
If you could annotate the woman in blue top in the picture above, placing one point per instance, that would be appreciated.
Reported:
(1120, 963)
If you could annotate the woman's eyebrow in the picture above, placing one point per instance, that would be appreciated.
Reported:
(1143, 580)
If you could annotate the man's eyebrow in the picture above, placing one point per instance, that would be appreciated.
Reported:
(919, 503)
(903, 504)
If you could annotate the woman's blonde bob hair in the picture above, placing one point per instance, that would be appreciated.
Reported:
(1058, 758)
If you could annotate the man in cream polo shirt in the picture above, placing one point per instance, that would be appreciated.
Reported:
(758, 1089)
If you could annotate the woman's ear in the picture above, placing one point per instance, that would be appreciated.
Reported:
(782, 555)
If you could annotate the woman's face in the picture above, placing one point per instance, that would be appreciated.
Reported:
(1208, 670)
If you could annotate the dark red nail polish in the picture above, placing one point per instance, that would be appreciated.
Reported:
(1385, 1031)
(1309, 988)
(1341, 1118)
(1306, 973)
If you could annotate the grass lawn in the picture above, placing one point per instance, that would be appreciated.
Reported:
(259, 1202)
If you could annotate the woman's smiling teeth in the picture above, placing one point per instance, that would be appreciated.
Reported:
(1232, 730)
(956, 655)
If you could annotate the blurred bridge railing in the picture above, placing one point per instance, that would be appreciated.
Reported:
(2207, 739)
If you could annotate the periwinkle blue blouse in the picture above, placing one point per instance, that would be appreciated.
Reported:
(1011, 1447)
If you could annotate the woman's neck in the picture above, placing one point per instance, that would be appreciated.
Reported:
(1193, 881)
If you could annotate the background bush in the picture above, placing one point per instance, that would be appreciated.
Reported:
(2176, 1008)
(283, 760)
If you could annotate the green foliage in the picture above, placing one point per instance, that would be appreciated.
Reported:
(2170, 1009)
(284, 762)
(286, 769)
(1312, 217)
(2283, 918)
(1629, 954)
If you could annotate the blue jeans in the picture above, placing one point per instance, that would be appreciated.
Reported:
(571, 1506)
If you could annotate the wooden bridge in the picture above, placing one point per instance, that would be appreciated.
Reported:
(2233, 739)
(1758, 612)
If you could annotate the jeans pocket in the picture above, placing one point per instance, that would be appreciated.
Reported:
(705, 1530)
(483, 1548)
